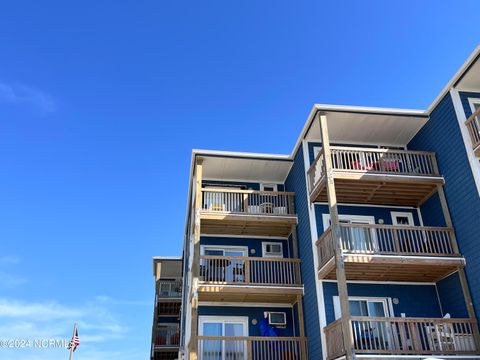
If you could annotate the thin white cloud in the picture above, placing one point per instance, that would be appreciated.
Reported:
(9, 280)
(9, 260)
(20, 94)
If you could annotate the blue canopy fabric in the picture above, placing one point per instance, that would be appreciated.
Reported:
(266, 330)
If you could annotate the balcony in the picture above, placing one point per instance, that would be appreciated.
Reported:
(473, 126)
(249, 279)
(390, 253)
(405, 336)
(169, 290)
(247, 212)
(251, 348)
(167, 338)
(376, 176)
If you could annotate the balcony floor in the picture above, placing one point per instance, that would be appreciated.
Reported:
(393, 268)
(246, 224)
(362, 187)
(236, 293)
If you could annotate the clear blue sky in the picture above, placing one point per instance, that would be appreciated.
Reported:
(101, 103)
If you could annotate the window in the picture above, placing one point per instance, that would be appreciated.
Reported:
(367, 306)
(268, 187)
(277, 318)
(232, 271)
(272, 249)
(357, 238)
(402, 218)
(233, 326)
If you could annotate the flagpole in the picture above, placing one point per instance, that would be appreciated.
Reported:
(71, 348)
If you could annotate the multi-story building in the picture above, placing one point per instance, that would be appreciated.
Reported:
(167, 272)
(362, 243)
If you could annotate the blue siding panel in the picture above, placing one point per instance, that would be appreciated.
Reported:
(414, 300)
(296, 182)
(442, 135)
(451, 296)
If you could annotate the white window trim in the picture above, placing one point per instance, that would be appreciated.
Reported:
(316, 151)
(262, 186)
(264, 249)
(202, 319)
(365, 218)
(226, 247)
(408, 215)
(388, 305)
(473, 102)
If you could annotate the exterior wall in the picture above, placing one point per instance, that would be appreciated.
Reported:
(254, 313)
(296, 182)
(377, 212)
(414, 300)
(252, 244)
(451, 297)
(442, 135)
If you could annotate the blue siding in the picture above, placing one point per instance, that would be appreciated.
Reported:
(432, 213)
(377, 212)
(255, 244)
(414, 300)
(451, 296)
(252, 313)
(296, 182)
(442, 135)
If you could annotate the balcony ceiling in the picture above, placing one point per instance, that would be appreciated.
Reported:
(272, 169)
(470, 81)
(360, 125)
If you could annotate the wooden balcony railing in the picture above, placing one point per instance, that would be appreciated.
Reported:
(375, 161)
(169, 308)
(397, 336)
(248, 202)
(169, 289)
(388, 240)
(250, 270)
(473, 126)
(167, 336)
(251, 348)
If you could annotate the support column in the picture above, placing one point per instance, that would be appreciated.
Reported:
(301, 328)
(196, 258)
(336, 235)
(461, 271)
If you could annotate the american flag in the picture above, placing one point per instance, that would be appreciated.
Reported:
(73, 344)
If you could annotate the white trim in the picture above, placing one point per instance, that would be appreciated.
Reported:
(244, 304)
(406, 214)
(244, 236)
(362, 143)
(322, 315)
(420, 218)
(387, 304)
(383, 282)
(248, 215)
(269, 184)
(473, 102)
(224, 247)
(202, 319)
(264, 250)
(467, 141)
(360, 218)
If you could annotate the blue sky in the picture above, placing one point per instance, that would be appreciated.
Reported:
(101, 103)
